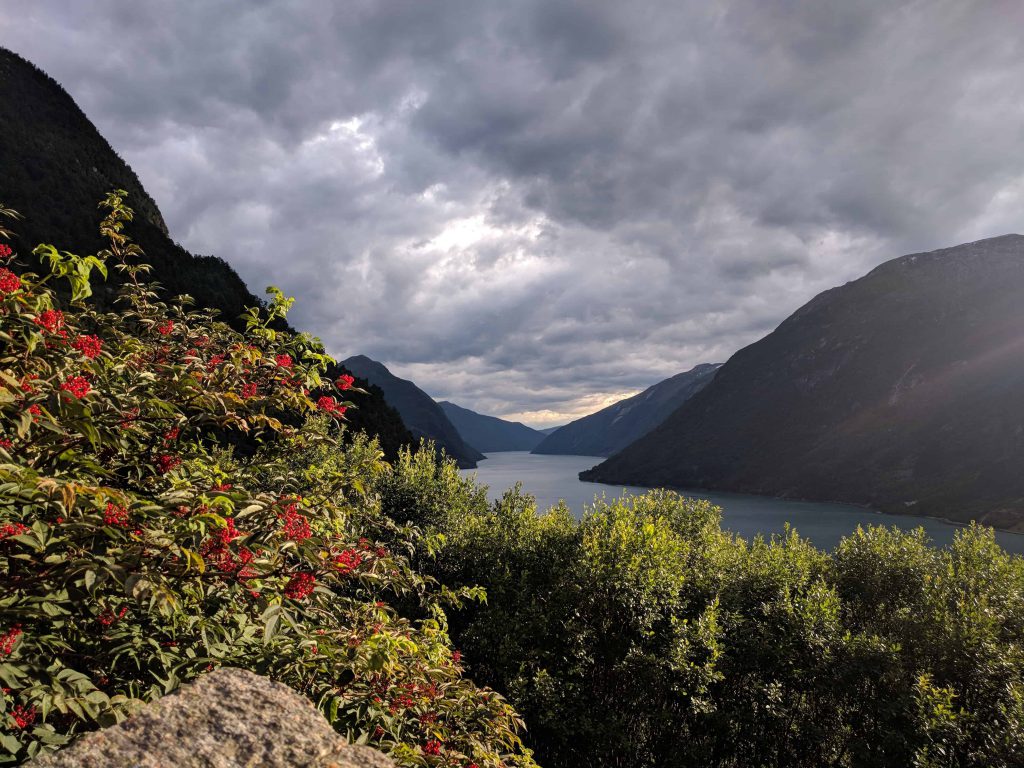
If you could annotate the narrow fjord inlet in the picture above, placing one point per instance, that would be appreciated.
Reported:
(551, 479)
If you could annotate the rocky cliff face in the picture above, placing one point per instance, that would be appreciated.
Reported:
(903, 390)
(227, 719)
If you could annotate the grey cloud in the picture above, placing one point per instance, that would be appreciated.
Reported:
(527, 206)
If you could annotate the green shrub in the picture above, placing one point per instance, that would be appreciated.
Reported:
(175, 496)
(643, 635)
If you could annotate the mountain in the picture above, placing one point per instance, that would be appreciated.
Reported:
(421, 414)
(549, 430)
(613, 428)
(55, 167)
(903, 390)
(489, 433)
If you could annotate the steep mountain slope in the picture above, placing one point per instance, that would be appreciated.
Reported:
(489, 433)
(903, 390)
(613, 428)
(421, 414)
(55, 167)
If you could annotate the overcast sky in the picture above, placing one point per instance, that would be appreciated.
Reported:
(535, 208)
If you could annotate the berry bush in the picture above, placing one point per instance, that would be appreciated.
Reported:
(175, 496)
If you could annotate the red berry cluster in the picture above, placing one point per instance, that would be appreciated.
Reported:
(76, 386)
(108, 617)
(165, 463)
(300, 586)
(8, 640)
(115, 515)
(23, 716)
(348, 560)
(89, 346)
(218, 553)
(9, 282)
(5, 251)
(11, 529)
(295, 526)
(330, 405)
(52, 321)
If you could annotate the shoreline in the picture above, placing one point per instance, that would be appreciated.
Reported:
(869, 508)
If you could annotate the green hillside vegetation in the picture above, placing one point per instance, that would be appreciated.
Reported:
(56, 165)
(644, 635)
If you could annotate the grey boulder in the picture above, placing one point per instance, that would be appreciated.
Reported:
(229, 718)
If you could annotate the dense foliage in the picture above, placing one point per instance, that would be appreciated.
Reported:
(644, 635)
(175, 496)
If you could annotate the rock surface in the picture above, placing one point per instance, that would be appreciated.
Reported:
(227, 719)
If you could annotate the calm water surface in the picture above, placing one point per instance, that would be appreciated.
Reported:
(551, 478)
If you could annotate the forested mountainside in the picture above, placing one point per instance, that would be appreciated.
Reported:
(489, 433)
(903, 390)
(421, 414)
(54, 169)
(613, 428)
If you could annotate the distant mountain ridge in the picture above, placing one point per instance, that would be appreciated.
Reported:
(54, 169)
(489, 434)
(424, 417)
(613, 428)
(903, 390)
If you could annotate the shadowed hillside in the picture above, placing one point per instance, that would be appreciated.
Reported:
(421, 414)
(613, 428)
(903, 390)
(489, 433)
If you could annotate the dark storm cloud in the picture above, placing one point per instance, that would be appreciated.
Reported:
(533, 207)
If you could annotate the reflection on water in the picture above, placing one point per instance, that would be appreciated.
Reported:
(551, 478)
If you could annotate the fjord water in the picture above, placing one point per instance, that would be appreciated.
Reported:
(551, 478)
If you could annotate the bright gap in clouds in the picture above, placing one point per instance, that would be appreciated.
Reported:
(584, 406)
